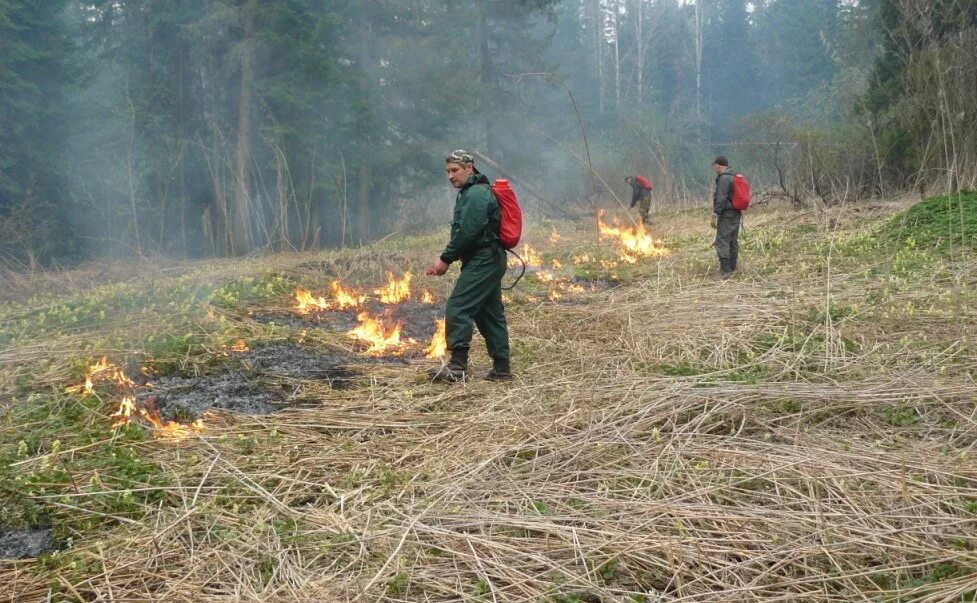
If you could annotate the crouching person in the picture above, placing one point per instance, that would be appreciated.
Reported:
(477, 297)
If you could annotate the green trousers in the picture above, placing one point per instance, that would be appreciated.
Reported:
(477, 301)
(644, 207)
(728, 235)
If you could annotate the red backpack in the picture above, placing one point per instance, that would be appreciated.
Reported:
(644, 182)
(510, 227)
(741, 196)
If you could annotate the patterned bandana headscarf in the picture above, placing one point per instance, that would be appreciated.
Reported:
(460, 156)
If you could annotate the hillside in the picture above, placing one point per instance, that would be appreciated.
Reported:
(803, 431)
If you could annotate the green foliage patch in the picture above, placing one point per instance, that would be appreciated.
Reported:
(69, 456)
(939, 222)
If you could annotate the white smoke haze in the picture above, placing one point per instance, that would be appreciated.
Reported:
(214, 128)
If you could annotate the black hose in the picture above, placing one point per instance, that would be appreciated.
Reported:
(521, 274)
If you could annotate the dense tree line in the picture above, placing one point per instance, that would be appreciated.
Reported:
(218, 127)
(922, 96)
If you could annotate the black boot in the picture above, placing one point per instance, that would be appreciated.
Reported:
(725, 269)
(732, 263)
(501, 371)
(456, 370)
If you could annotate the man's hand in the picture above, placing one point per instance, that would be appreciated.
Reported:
(438, 268)
(715, 221)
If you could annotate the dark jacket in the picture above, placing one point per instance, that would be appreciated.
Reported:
(476, 220)
(722, 199)
(637, 191)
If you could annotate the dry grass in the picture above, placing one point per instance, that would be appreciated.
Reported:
(676, 439)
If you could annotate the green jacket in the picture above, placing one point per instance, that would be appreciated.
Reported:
(476, 221)
(722, 200)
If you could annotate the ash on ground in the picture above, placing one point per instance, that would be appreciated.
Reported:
(252, 389)
(25, 544)
(180, 398)
(420, 320)
(298, 362)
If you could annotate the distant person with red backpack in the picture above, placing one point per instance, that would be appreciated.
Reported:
(641, 188)
(477, 297)
(731, 198)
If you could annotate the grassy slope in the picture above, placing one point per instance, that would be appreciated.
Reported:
(803, 431)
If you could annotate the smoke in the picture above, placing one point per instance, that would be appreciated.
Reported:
(208, 128)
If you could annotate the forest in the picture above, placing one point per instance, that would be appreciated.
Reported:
(221, 127)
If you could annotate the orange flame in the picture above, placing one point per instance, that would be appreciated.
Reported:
(439, 345)
(240, 346)
(380, 336)
(345, 298)
(561, 288)
(427, 297)
(169, 430)
(634, 242)
(123, 416)
(529, 255)
(584, 258)
(555, 236)
(102, 371)
(396, 291)
(557, 264)
(308, 303)
(342, 299)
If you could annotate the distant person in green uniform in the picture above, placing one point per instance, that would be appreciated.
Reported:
(725, 219)
(477, 297)
(641, 196)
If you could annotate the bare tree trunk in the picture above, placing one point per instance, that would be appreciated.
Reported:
(489, 77)
(207, 232)
(599, 52)
(242, 176)
(639, 47)
(697, 31)
(182, 135)
(363, 202)
(616, 23)
(132, 177)
(281, 189)
(344, 204)
(310, 226)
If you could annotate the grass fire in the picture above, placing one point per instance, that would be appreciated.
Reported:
(634, 242)
(690, 387)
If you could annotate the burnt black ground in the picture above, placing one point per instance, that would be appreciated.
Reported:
(298, 362)
(252, 383)
(180, 398)
(25, 544)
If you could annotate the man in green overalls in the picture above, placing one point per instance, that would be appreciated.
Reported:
(477, 297)
(725, 219)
